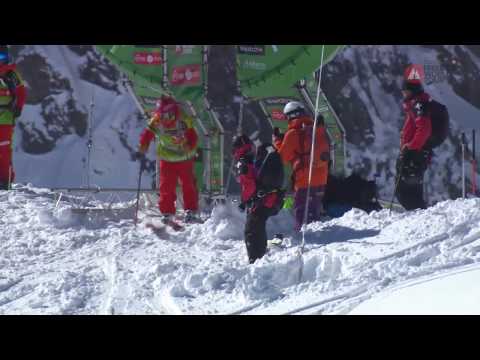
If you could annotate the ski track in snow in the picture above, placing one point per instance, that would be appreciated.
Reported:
(53, 261)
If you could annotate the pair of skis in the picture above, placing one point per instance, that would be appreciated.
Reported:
(157, 222)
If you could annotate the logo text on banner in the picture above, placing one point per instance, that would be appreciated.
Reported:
(251, 49)
(278, 114)
(147, 58)
(186, 75)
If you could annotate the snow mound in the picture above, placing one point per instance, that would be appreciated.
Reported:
(56, 261)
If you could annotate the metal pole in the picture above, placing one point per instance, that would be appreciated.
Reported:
(474, 166)
(310, 171)
(90, 142)
(463, 142)
(239, 132)
(142, 165)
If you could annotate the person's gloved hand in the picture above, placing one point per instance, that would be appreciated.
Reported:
(277, 134)
(139, 156)
(242, 168)
(242, 207)
(17, 112)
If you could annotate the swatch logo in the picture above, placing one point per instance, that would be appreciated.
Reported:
(186, 75)
(147, 58)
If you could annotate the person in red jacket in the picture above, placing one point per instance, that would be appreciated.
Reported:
(259, 174)
(176, 150)
(12, 100)
(415, 154)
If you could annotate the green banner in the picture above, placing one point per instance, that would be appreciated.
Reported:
(273, 70)
(177, 70)
(185, 71)
(332, 124)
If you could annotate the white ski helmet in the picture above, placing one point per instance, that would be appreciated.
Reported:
(294, 109)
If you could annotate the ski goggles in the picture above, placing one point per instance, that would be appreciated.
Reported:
(3, 57)
(168, 116)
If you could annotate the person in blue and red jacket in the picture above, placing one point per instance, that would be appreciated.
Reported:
(12, 100)
(260, 176)
(415, 155)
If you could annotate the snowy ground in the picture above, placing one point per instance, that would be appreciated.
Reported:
(455, 292)
(53, 261)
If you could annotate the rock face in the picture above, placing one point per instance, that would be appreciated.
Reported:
(362, 83)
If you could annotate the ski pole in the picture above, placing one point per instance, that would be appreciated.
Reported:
(463, 142)
(397, 182)
(142, 165)
(10, 177)
(474, 166)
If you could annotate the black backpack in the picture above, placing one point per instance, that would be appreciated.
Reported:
(440, 124)
(354, 191)
(269, 166)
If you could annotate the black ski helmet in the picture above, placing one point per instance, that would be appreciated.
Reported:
(415, 87)
(240, 140)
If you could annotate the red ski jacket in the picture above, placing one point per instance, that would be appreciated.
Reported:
(417, 128)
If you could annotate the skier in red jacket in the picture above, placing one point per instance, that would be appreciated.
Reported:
(415, 155)
(259, 173)
(12, 100)
(176, 150)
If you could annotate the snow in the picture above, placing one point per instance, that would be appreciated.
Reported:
(454, 293)
(56, 261)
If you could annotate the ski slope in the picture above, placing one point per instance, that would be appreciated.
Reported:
(452, 293)
(55, 261)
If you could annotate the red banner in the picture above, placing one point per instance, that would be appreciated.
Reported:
(278, 115)
(186, 75)
(147, 58)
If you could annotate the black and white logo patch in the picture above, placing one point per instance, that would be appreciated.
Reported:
(418, 108)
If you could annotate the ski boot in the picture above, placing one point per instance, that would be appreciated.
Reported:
(191, 217)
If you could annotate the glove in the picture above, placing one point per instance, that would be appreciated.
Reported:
(142, 158)
(242, 168)
(242, 207)
(17, 111)
(277, 135)
(139, 156)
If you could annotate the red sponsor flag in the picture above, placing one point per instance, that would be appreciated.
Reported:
(278, 115)
(186, 75)
(147, 58)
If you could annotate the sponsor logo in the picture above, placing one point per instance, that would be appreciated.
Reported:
(147, 58)
(276, 101)
(184, 49)
(249, 64)
(258, 50)
(434, 73)
(414, 73)
(149, 101)
(428, 73)
(278, 114)
(186, 75)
